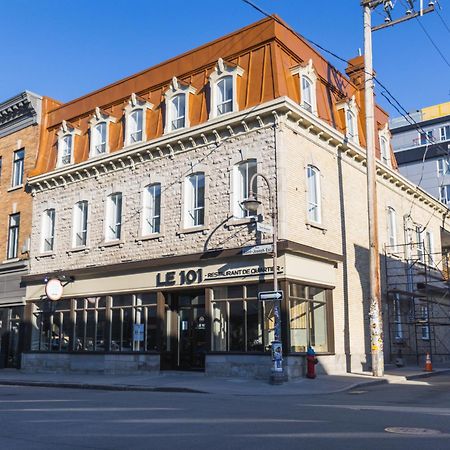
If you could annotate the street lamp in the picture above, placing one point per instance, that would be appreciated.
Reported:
(251, 204)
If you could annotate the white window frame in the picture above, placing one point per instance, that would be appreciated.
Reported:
(114, 217)
(351, 110)
(308, 73)
(429, 247)
(420, 244)
(392, 228)
(424, 317)
(428, 137)
(151, 217)
(444, 133)
(222, 70)
(194, 205)
(66, 130)
(175, 90)
(241, 187)
(80, 224)
(48, 223)
(313, 195)
(99, 117)
(384, 139)
(13, 236)
(136, 103)
(18, 168)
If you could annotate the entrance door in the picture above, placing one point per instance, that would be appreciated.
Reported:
(188, 352)
(9, 336)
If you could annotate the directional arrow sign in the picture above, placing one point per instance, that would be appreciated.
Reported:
(270, 295)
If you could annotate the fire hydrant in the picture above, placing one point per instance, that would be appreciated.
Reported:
(311, 362)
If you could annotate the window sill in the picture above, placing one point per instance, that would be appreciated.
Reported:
(149, 237)
(46, 255)
(11, 260)
(84, 249)
(317, 226)
(201, 228)
(15, 188)
(118, 243)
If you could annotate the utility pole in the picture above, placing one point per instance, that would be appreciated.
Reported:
(375, 310)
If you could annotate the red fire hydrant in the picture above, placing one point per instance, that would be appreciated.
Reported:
(311, 362)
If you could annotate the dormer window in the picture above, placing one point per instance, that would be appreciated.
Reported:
(135, 115)
(351, 119)
(177, 105)
(223, 83)
(99, 132)
(385, 150)
(66, 137)
(308, 80)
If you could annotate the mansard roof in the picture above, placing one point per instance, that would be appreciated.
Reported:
(266, 51)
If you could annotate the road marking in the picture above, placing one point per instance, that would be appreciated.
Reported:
(409, 430)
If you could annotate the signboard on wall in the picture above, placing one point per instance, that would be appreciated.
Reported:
(138, 332)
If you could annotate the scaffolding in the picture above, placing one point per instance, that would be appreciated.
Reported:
(418, 298)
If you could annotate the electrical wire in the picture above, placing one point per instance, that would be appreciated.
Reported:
(442, 20)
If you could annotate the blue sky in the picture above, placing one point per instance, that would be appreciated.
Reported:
(65, 49)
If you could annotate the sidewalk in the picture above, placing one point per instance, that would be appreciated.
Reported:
(200, 383)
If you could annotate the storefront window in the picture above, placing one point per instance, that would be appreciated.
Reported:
(308, 318)
(133, 324)
(238, 319)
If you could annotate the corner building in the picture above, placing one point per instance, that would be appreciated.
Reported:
(137, 210)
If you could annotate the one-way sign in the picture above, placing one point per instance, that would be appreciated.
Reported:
(270, 295)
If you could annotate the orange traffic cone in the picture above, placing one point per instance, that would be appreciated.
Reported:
(428, 365)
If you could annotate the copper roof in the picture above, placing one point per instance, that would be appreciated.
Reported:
(265, 50)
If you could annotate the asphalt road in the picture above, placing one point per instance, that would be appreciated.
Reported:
(47, 418)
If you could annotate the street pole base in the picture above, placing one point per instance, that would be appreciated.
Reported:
(277, 377)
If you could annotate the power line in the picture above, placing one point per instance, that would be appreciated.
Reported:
(442, 20)
(432, 42)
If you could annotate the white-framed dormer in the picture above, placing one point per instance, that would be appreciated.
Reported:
(351, 112)
(99, 132)
(223, 89)
(384, 138)
(308, 86)
(177, 105)
(135, 120)
(66, 143)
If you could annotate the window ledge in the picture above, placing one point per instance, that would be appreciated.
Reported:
(150, 237)
(11, 260)
(316, 225)
(118, 243)
(15, 188)
(46, 255)
(84, 249)
(200, 228)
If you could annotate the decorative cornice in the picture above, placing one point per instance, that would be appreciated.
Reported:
(19, 112)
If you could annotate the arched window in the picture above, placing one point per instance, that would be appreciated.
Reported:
(48, 230)
(314, 196)
(178, 112)
(135, 126)
(99, 138)
(151, 221)
(224, 95)
(392, 228)
(307, 94)
(243, 173)
(194, 200)
(113, 217)
(80, 224)
(65, 150)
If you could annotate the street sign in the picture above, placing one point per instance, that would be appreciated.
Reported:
(54, 289)
(257, 250)
(264, 228)
(270, 295)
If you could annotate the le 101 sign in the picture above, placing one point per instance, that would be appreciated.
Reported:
(270, 295)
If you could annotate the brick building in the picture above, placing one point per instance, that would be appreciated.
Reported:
(20, 119)
(137, 212)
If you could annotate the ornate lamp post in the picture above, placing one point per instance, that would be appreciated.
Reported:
(251, 204)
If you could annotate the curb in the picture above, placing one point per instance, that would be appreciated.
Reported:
(427, 374)
(100, 387)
